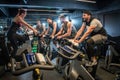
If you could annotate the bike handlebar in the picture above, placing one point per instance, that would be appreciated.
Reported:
(73, 53)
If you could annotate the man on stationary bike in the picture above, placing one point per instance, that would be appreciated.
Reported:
(95, 31)
(52, 27)
(40, 28)
(66, 29)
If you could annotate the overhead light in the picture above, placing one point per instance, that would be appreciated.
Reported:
(43, 24)
(89, 1)
(25, 1)
(58, 21)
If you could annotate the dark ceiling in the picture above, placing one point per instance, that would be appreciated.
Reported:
(40, 9)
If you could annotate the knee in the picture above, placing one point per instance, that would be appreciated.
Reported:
(90, 42)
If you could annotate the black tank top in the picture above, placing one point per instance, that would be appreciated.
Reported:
(102, 31)
(65, 28)
(51, 26)
(39, 28)
(14, 27)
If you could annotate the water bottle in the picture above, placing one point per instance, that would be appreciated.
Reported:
(33, 58)
(28, 57)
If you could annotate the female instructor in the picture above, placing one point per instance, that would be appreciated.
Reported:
(18, 21)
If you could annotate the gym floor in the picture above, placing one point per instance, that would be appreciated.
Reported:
(53, 75)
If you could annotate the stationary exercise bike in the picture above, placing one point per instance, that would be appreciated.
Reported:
(4, 57)
(112, 58)
(70, 62)
(30, 60)
(74, 69)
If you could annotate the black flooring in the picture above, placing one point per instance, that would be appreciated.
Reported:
(54, 75)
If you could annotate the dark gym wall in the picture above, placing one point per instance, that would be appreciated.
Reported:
(76, 18)
(112, 23)
(110, 17)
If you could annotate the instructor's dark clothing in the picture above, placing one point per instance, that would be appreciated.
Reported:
(14, 37)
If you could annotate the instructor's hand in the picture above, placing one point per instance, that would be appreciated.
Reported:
(35, 31)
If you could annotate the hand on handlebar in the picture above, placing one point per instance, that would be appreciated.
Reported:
(40, 35)
(77, 41)
(52, 36)
(59, 37)
(73, 42)
(35, 32)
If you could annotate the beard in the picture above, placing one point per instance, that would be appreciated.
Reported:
(84, 20)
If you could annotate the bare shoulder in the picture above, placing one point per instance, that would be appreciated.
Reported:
(69, 24)
(54, 23)
(16, 19)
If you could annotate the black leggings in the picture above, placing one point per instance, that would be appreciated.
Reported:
(14, 40)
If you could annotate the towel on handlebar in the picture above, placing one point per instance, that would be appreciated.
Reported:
(73, 42)
(40, 58)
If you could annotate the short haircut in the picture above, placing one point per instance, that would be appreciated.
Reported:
(20, 11)
(62, 16)
(49, 17)
(87, 12)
